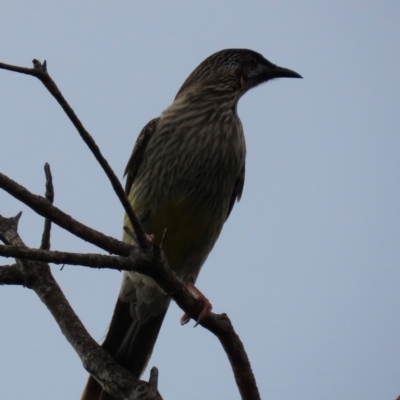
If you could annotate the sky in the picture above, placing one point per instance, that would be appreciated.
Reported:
(307, 266)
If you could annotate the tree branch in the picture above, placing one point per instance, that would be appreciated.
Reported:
(40, 72)
(155, 266)
(11, 275)
(37, 276)
(49, 194)
(44, 208)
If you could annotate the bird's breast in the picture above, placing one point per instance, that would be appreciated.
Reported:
(186, 179)
(197, 153)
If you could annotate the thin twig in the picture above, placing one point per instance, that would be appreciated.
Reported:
(40, 71)
(92, 260)
(44, 208)
(153, 380)
(49, 194)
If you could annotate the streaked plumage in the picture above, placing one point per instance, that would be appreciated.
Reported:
(183, 178)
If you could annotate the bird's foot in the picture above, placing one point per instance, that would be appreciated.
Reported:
(150, 237)
(205, 303)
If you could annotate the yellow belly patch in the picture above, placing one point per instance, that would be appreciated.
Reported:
(190, 233)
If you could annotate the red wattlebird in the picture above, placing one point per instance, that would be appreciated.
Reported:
(185, 174)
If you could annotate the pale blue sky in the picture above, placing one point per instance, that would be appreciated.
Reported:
(307, 266)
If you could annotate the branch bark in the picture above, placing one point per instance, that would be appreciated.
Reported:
(11, 275)
(49, 194)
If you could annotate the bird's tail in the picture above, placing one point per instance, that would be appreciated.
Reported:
(130, 343)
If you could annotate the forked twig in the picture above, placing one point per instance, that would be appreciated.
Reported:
(40, 72)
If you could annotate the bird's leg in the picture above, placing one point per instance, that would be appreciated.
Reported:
(206, 305)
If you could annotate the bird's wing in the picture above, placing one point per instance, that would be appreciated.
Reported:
(237, 190)
(137, 153)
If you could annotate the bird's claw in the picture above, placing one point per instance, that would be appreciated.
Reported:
(206, 306)
(185, 319)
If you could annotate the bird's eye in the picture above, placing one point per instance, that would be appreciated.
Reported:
(252, 62)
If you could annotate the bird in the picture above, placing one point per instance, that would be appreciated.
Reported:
(184, 175)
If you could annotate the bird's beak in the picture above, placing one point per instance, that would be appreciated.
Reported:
(268, 71)
(279, 72)
(271, 71)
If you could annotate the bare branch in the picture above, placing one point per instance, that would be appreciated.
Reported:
(37, 276)
(44, 208)
(137, 262)
(153, 380)
(21, 70)
(11, 275)
(40, 71)
(222, 327)
(8, 228)
(45, 245)
(155, 266)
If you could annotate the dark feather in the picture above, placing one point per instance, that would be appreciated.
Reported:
(237, 190)
(130, 343)
(135, 160)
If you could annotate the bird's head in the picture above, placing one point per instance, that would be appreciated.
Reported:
(240, 69)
